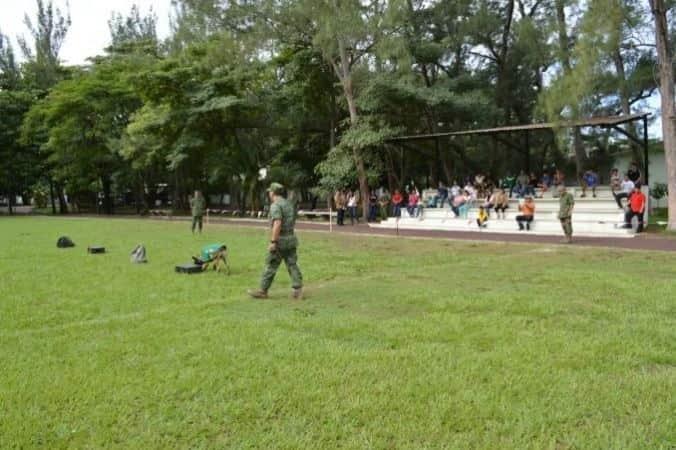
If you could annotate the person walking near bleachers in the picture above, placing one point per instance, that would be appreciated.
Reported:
(566, 204)
(637, 203)
(340, 202)
(627, 187)
(527, 214)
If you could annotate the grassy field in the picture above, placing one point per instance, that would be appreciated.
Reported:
(399, 344)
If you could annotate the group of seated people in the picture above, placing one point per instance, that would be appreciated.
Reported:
(490, 197)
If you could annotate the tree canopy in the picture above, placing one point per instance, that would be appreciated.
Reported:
(309, 92)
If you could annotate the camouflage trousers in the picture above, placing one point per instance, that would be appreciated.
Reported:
(567, 225)
(272, 262)
(197, 221)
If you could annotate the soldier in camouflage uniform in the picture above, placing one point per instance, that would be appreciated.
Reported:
(566, 204)
(283, 244)
(197, 207)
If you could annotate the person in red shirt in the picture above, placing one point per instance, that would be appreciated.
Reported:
(397, 200)
(636, 207)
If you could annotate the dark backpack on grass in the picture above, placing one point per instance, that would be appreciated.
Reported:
(64, 242)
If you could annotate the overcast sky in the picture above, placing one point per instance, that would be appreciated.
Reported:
(89, 34)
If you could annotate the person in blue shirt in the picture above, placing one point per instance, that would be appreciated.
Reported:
(590, 179)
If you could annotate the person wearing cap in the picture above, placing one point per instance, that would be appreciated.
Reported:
(566, 204)
(283, 244)
(197, 207)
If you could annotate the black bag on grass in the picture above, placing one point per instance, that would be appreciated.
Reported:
(64, 242)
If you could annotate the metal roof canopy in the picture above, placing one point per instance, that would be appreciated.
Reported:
(602, 122)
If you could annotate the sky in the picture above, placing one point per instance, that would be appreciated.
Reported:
(88, 34)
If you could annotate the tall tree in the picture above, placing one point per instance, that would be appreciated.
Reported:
(661, 10)
(42, 53)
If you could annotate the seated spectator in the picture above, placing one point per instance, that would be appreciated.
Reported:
(482, 218)
(429, 198)
(454, 190)
(471, 192)
(457, 202)
(480, 184)
(521, 184)
(527, 213)
(531, 185)
(489, 203)
(413, 199)
(545, 183)
(633, 173)
(627, 187)
(397, 201)
(500, 202)
(615, 181)
(508, 182)
(637, 202)
(442, 195)
(590, 179)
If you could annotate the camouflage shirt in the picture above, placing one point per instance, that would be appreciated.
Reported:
(283, 210)
(197, 205)
(566, 203)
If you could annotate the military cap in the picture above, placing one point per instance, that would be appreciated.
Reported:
(276, 188)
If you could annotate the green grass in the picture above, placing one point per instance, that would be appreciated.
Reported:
(399, 344)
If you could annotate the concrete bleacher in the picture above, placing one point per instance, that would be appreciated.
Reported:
(593, 217)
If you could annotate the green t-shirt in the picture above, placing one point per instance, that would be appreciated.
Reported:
(209, 251)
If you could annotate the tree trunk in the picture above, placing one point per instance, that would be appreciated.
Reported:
(665, 58)
(63, 206)
(344, 74)
(107, 204)
(51, 196)
(564, 48)
(10, 202)
(626, 108)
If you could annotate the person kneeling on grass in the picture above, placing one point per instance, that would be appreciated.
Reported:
(482, 218)
(527, 213)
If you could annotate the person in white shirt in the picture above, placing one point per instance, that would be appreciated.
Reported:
(627, 187)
